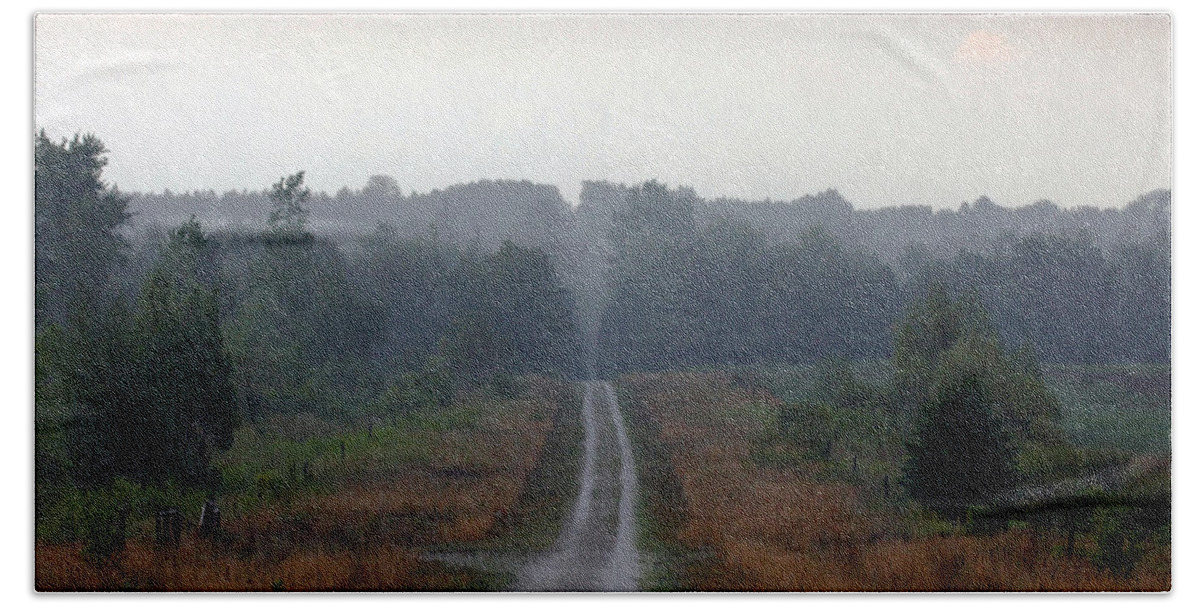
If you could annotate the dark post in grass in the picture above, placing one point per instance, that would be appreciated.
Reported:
(210, 519)
(168, 525)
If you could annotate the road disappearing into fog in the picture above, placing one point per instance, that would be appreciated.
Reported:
(596, 549)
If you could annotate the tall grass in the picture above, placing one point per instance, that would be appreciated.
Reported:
(430, 479)
(792, 528)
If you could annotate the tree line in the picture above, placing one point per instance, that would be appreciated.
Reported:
(153, 346)
(688, 286)
(150, 353)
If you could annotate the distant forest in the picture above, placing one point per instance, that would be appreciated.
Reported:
(165, 322)
(678, 280)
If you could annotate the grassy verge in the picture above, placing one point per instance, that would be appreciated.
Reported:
(662, 508)
(320, 508)
(534, 522)
(804, 523)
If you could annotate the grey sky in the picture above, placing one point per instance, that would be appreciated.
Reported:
(888, 109)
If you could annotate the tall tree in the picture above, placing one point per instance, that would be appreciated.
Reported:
(289, 215)
(151, 391)
(650, 317)
(961, 454)
(977, 407)
(76, 219)
(531, 313)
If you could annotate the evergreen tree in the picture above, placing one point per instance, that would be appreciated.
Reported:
(151, 391)
(961, 455)
(187, 372)
(976, 406)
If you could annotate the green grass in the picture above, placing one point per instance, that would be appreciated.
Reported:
(74, 512)
(793, 383)
(1121, 407)
(264, 467)
(1115, 426)
(261, 468)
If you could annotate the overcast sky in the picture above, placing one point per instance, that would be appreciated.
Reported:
(924, 109)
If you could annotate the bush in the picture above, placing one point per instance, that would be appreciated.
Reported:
(508, 386)
(91, 515)
(961, 455)
(810, 426)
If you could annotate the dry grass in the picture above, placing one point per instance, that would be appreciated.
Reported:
(771, 529)
(364, 535)
(197, 566)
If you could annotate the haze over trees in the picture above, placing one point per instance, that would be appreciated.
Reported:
(164, 321)
(148, 357)
(1080, 285)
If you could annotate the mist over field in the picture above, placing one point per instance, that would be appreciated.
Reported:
(562, 340)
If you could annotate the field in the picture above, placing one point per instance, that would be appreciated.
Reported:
(736, 507)
(308, 506)
(730, 500)
(1123, 407)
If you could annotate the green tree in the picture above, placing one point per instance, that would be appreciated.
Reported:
(961, 454)
(187, 372)
(299, 330)
(470, 348)
(151, 392)
(820, 300)
(977, 407)
(77, 248)
(530, 312)
(928, 332)
(649, 322)
(289, 216)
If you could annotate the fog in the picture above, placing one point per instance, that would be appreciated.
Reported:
(660, 303)
(888, 109)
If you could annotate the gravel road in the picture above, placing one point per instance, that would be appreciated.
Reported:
(596, 550)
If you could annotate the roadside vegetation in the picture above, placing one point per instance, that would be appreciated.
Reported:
(971, 399)
(832, 478)
(343, 409)
(759, 512)
(298, 515)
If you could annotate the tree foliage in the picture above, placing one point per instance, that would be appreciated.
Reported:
(289, 214)
(142, 368)
(976, 405)
(152, 389)
(681, 294)
(962, 454)
(76, 219)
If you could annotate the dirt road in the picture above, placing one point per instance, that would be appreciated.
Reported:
(596, 550)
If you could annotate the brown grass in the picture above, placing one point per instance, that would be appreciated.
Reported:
(367, 535)
(197, 566)
(771, 529)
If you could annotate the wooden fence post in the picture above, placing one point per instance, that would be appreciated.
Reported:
(168, 526)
